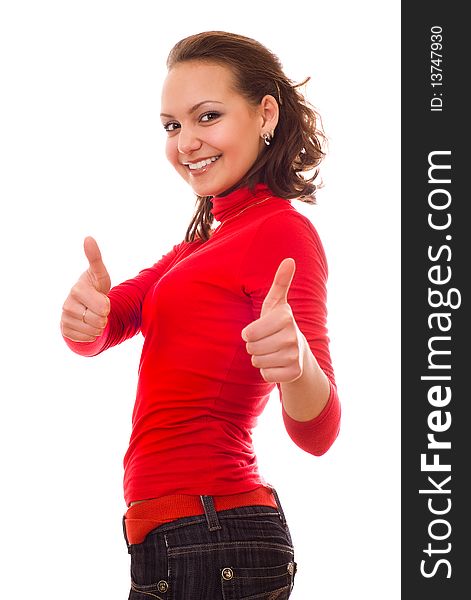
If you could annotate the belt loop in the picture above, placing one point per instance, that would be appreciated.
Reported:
(210, 512)
(280, 509)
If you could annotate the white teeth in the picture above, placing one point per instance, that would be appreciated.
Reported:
(202, 163)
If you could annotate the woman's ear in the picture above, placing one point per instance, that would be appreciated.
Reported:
(270, 113)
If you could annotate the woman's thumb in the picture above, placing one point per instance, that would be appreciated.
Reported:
(97, 268)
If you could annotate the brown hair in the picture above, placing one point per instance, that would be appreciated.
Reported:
(298, 142)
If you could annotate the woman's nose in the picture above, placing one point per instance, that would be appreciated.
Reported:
(187, 141)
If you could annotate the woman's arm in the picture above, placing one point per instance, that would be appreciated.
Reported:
(305, 397)
(310, 404)
(124, 319)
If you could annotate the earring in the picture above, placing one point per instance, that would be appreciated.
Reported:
(267, 137)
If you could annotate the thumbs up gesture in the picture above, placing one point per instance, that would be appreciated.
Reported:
(86, 308)
(274, 340)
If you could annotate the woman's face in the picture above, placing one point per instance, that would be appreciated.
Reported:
(213, 133)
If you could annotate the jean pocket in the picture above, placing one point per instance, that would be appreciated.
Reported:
(149, 569)
(258, 583)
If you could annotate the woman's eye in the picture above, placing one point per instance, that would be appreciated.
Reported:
(210, 116)
(170, 126)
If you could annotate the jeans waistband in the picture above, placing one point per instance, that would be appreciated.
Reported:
(143, 517)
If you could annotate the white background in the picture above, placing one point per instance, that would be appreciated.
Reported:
(82, 153)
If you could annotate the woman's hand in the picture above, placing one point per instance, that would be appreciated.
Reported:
(274, 340)
(86, 308)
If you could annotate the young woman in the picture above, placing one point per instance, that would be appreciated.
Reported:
(228, 313)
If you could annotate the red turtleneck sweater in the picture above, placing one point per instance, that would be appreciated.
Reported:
(198, 395)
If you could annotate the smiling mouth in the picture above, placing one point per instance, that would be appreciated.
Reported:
(202, 165)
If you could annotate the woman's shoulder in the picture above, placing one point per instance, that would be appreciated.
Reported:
(284, 218)
(288, 231)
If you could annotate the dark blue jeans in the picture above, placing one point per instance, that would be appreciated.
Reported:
(244, 553)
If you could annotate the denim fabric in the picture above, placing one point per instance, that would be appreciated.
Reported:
(244, 553)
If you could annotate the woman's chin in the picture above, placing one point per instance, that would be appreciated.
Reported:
(207, 189)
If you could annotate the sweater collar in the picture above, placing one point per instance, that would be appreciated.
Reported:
(225, 207)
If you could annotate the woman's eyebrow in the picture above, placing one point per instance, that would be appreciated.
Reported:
(193, 108)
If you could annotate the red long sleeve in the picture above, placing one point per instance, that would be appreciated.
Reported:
(198, 396)
(291, 234)
(126, 300)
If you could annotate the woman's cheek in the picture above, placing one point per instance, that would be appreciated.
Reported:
(171, 151)
(168, 153)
